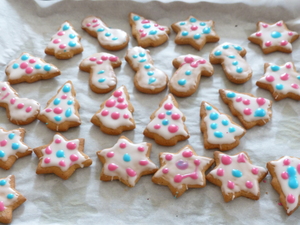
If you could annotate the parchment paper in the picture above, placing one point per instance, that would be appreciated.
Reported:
(27, 26)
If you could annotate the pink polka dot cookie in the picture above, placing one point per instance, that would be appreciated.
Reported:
(186, 79)
(61, 157)
(282, 81)
(250, 110)
(115, 114)
(65, 43)
(10, 198)
(126, 161)
(109, 38)
(237, 176)
(20, 111)
(285, 172)
(61, 112)
(148, 79)
(28, 68)
(148, 32)
(167, 125)
(219, 131)
(12, 147)
(274, 37)
(100, 66)
(195, 32)
(182, 170)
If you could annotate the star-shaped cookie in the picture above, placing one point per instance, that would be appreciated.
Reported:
(282, 81)
(12, 147)
(237, 176)
(195, 32)
(126, 161)
(10, 198)
(274, 37)
(182, 170)
(62, 156)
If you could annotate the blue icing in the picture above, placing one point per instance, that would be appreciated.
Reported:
(15, 66)
(151, 80)
(114, 38)
(279, 86)
(56, 101)
(188, 72)
(2, 153)
(57, 118)
(182, 23)
(2, 182)
(202, 24)
(60, 154)
(100, 29)
(11, 136)
(142, 54)
(213, 126)
(15, 146)
(214, 116)
(218, 134)
(72, 36)
(208, 107)
(239, 48)
(72, 43)
(193, 20)
(10, 196)
(47, 68)
(150, 73)
(101, 80)
(182, 82)
(293, 181)
(239, 69)
(225, 46)
(68, 112)
(230, 95)
(275, 34)
(206, 30)
(135, 56)
(142, 60)
(231, 129)
(70, 102)
(236, 173)
(135, 18)
(225, 122)
(184, 33)
(38, 66)
(107, 34)
(197, 36)
(101, 72)
(146, 26)
(235, 63)
(126, 157)
(25, 57)
(275, 67)
(66, 27)
(231, 56)
(153, 32)
(260, 112)
(218, 53)
(66, 88)
(165, 122)
(169, 113)
(147, 66)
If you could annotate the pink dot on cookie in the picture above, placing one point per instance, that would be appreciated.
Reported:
(123, 145)
(187, 154)
(169, 157)
(226, 160)
(249, 184)
(71, 145)
(110, 154)
(220, 172)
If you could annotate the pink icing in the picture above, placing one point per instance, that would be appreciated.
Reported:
(258, 34)
(110, 154)
(249, 184)
(105, 112)
(120, 99)
(157, 126)
(71, 146)
(194, 27)
(47, 160)
(226, 160)
(241, 158)
(295, 86)
(73, 158)
(28, 109)
(173, 128)
(255, 170)
(58, 110)
(246, 102)
(125, 116)
(220, 172)
(115, 115)
(175, 116)
(12, 101)
(298, 168)
(60, 33)
(130, 172)
(29, 70)
(23, 65)
(3, 143)
(230, 184)
(284, 43)
(48, 150)
(122, 106)
(117, 93)
(169, 157)
(112, 166)
(279, 24)
(238, 99)
(168, 106)
(93, 59)
(113, 58)
(290, 198)
(62, 163)
(64, 96)
(165, 170)
(268, 43)
(62, 46)
(110, 103)
(284, 175)
(270, 78)
(141, 148)
(284, 76)
(123, 145)
(104, 57)
(161, 116)
(2, 207)
(143, 162)
(286, 162)
(247, 111)
(57, 141)
(56, 41)
(260, 101)
(187, 154)
(20, 105)
(265, 25)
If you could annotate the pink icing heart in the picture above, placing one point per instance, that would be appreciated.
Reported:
(265, 25)
(187, 154)
(260, 101)
(268, 43)
(284, 175)
(3, 143)
(288, 66)
(220, 172)
(130, 172)
(104, 57)
(284, 76)
(247, 111)
(241, 158)
(290, 33)
(295, 86)
(113, 58)
(143, 34)
(255, 170)
(246, 102)
(258, 34)
(238, 99)
(283, 43)
(161, 28)
(182, 165)
(226, 159)
(2, 207)
(62, 163)
(286, 162)
(279, 24)
(112, 166)
(188, 59)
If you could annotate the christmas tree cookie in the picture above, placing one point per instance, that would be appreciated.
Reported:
(148, 79)
(230, 56)
(115, 114)
(274, 37)
(100, 66)
(65, 43)
(237, 176)
(61, 157)
(12, 147)
(10, 198)
(250, 110)
(148, 32)
(219, 131)
(186, 79)
(286, 172)
(282, 81)
(20, 111)
(28, 68)
(167, 125)
(182, 170)
(126, 161)
(195, 32)
(61, 112)
(109, 38)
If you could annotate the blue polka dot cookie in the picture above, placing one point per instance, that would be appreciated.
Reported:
(61, 112)
(195, 32)
(219, 131)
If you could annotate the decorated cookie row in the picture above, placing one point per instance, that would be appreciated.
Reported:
(66, 42)
(127, 162)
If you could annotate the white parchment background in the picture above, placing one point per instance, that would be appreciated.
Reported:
(27, 26)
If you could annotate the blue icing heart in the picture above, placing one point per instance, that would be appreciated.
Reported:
(151, 80)
(218, 134)
(214, 126)
(231, 129)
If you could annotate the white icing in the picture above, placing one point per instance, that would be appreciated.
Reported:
(102, 69)
(30, 108)
(65, 39)
(66, 103)
(163, 130)
(105, 35)
(196, 67)
(152, 27)
(239, 182)
(6, 190)
(265, 35)
(6, 147)
(147, 76)
(35, 64)
(293, 79)
(135, 157)
(195, 29)
(236, 62)
(191, 168)
(56, 161)
(228, 137)
(107, 120)
(239, 105)
(281, 167)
